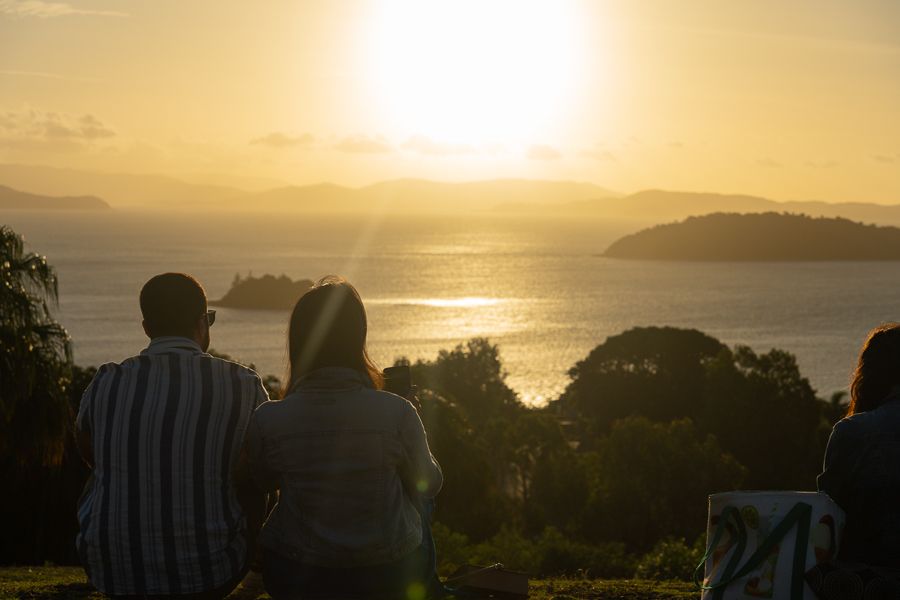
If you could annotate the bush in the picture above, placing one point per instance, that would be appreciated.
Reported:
(667, 470)
(671, 558)
(453, 549)
(550, 553)
(509, 547)
(560, 555)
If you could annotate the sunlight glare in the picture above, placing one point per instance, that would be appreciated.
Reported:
(468, 302)
(465, 302)
(475, 71)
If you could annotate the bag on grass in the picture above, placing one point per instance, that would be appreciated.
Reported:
(495, 581)
(760, 544)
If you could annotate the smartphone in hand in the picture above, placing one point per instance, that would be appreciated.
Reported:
(397, 380)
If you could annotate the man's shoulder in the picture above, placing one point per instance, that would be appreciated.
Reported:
(111, 368)
(249, 380)
(231, 366)
(221, 367)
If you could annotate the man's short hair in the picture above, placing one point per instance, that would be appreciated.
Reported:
(171, 303)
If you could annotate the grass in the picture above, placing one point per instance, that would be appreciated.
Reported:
(69, 583)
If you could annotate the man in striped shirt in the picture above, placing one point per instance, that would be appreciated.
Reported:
(161, 514)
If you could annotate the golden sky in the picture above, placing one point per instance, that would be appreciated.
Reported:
(791, 99)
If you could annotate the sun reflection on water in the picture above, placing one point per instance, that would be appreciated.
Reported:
(464, 302)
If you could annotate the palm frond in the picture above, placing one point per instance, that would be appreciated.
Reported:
(35, 357)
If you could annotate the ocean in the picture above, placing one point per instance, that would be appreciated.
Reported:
(536, 287)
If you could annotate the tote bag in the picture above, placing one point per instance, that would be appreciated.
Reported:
(760, 544)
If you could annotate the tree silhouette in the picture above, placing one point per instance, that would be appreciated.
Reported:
(35, 358)
(41, 470)
(656, 372)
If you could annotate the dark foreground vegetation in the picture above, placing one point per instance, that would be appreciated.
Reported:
(69, 583)
(609, 480)
(760, 237)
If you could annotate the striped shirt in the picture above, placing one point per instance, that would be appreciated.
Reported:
(160, 514)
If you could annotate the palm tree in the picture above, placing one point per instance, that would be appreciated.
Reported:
(35, 359)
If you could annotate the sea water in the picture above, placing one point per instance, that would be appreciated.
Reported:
(538, 288)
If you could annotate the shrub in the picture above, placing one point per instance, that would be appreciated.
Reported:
(560, 555)
(550, 553)
(671, 558)
(511, 548)
(453, 549)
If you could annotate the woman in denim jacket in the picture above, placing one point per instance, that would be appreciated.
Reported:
(351, 463)
(862, 460)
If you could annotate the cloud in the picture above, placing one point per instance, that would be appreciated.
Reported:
(882, 158)
(364, 145)
(426, 145)
(91, 128)
(769, 163)
(48, 10)
(543, 152)
(599, 154)
(282, 140)
(33, 128)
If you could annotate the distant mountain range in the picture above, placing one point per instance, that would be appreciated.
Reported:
(507, 197)
(406, 195)
(11, 199)
(119, 189)
(422, 196)
(659, 205)
(760, 237)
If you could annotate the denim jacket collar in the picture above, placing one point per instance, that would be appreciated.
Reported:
(332, 378)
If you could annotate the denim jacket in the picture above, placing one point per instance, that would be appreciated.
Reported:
(862, 474)
(349, 461)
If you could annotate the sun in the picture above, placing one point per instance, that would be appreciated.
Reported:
(474, 71)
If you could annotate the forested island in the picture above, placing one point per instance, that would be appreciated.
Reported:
(266, 292)
(760, 237)
(11, 199)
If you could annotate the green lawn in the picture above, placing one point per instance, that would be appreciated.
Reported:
(69, 583)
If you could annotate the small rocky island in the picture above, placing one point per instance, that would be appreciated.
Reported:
(267, 292)
(760, 237)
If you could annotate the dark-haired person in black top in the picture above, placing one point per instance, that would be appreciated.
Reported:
(862, 461)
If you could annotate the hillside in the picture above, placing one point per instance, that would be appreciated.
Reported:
(422, 196)
(760, 237)
(403, 195)
(503, 197)
(657, 205)
(11, 199)
(119, 189)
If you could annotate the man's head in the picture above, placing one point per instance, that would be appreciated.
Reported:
(175, 304)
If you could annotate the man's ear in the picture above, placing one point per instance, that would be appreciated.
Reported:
(202, 325)
(201, 332)
(146, 329)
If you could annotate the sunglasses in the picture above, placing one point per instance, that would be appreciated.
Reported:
(210, 317)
